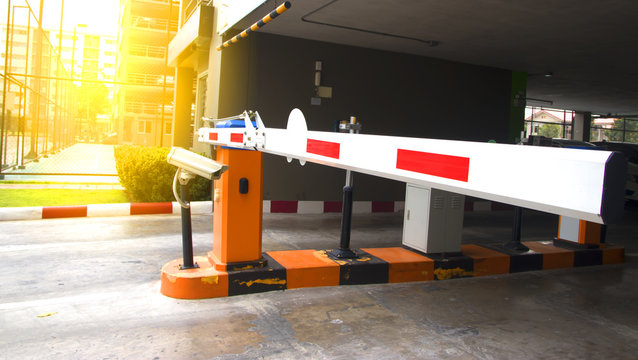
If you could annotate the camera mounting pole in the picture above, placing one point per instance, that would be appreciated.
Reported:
(190, 165)
(184, 177)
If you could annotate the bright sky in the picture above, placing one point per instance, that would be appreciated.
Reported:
(100, 16)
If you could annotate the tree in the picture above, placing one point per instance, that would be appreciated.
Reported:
(616, 132)
(93, 100)
(549, 130)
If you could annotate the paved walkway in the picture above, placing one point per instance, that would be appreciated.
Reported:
(62, 186)
(79, 167)
(86, 159)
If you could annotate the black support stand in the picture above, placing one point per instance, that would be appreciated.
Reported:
(344, 252)
(187, 231)
(515, 244)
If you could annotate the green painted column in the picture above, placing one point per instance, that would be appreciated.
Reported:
(518, 93)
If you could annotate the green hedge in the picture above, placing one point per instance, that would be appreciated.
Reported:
(147, 177)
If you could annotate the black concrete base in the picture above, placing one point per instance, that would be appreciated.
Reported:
(452, 266)
(270, 277)
(520, 260)
(570, 245)
(364, 269)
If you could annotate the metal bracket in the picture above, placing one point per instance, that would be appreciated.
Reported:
(254, 137)
(349, 126)
(185, 176)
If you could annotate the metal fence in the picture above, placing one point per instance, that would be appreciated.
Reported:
(38, 96)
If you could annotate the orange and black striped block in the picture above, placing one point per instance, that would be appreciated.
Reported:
(293, 269)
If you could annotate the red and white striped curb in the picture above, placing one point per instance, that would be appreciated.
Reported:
(206, 207)
(321, 207)
(100, 210)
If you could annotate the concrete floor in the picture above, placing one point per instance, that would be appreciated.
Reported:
(98, 280)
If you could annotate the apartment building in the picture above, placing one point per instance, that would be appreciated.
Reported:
(90, 57)
(144, 101)
(82, 55)
(15, 59)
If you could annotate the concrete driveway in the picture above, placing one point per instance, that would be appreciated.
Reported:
(88, 288)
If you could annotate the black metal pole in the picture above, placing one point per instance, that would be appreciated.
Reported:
(187, 231)
(515, 244)
(516, 228)
(344, 252)
(346, 218)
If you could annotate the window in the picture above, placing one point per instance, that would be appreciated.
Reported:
(201, 100)
(552, 123)
(89, 66)
(91, 41)
(144, 127)
(614, 129)
(91, 53)
(66, 37)
(168, 128)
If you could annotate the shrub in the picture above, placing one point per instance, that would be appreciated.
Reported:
(147, 177)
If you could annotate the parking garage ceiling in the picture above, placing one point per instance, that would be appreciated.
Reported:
(590, 47)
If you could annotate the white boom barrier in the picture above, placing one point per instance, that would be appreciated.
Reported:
(584, 184)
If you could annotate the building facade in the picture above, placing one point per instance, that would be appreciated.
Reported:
(145, 92)
(390, 93)
(91, 58)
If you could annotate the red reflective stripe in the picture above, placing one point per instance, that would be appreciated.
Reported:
(332, 206)
(283, 206)
(445, 166)
(52, 212)
(323, 148)
(238, 138)
(212, 136)
(151, 208)
(383, 206)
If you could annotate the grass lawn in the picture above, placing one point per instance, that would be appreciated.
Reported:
(59, 197)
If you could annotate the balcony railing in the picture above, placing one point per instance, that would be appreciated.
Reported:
(147, 51)
(189, 7)
(153, 23)
(175, 2)
(149, 79)
(143, 79)
(148, 108)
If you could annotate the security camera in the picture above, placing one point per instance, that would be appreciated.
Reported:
(196, 164)
(190, 165)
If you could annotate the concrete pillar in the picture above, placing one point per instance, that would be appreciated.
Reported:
(213, 71)
(581, 126)
(183, 99)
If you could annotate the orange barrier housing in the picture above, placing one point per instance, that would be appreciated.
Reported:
(237, 219)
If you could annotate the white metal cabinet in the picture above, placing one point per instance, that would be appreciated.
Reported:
(433, 220)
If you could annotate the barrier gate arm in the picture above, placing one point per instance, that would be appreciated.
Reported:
(584, 184)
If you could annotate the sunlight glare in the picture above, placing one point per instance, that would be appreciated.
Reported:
(100, 16)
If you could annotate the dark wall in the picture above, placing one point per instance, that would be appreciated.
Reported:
(389, 93)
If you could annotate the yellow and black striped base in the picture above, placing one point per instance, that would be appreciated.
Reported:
(309, 268)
